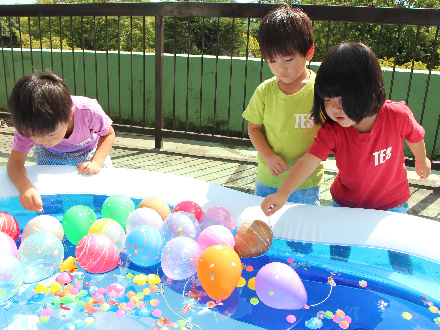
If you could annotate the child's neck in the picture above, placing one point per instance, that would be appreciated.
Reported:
(295, 86)
(366, 124)
(69, 130)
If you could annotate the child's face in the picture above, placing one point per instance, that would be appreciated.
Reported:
(288, 69)
(333, 108)
(53, 138)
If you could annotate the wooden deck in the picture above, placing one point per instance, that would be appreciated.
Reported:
(227, 166)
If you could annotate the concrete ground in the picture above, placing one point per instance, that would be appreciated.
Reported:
(233, 167)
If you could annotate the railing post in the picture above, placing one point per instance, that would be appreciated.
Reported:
(158, 82)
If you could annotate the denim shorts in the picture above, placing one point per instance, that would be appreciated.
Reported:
(403, 208)
(301, 196)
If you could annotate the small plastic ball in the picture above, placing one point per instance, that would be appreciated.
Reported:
(120, 313)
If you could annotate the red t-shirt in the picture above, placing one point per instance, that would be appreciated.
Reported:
(372, 172)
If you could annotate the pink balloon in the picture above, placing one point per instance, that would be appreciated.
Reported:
(217, 215)
(215, 235)
(279, 286)
(7, 244)
(96, 253)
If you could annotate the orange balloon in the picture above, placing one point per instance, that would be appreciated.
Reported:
(219, 270)
(157, 204)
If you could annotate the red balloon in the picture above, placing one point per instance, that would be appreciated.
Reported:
(9, 225)
(189, 207)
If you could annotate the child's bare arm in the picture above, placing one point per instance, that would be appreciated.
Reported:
(423, 164)
(29, 197)
(276, 163)
(104, 146)
(299, 172)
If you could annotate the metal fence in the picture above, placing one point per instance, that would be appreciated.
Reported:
(136, 29)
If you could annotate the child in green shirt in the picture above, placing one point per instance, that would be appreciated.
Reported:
(279, 113)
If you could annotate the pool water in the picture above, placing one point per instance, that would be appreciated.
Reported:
(361, 293)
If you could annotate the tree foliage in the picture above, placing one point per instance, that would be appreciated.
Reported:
(400, 45)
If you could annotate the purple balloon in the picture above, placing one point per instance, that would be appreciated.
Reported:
(180, 224)
(279, 286)
(179, 258)
(217, 215)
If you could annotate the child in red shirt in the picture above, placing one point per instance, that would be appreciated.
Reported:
(365, 133)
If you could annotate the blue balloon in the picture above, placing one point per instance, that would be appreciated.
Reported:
(144, 246)
(41, 254)
(11, 275)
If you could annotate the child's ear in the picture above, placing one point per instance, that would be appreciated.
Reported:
(310, 53)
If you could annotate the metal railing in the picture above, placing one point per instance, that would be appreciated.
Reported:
(102, 36)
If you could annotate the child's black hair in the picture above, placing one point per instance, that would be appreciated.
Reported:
(39, 103)
(285, 31)
(350, 71)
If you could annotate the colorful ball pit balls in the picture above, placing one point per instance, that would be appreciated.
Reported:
(7, 245)
(64, 278)
(9, 225)
(144, 246)
(41, 255)
(217, 216)
(115, 290)
(11, 276)
(118, 207)
(189, 207)
(110, 228)
(46, 223)
(143, 216)
(96, 253)
(157, 204)
(77, 221)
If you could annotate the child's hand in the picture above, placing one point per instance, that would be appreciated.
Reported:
(277, 165)
(273, 203)
(423, 168)
(89, 168)
(31, 200)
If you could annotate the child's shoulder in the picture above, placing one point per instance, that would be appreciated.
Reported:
(268, 83)
(83, 102)
(396, 107)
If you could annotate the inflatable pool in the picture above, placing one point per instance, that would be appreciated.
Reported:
(362, 291)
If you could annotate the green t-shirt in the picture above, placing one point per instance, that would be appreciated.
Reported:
(287, 126)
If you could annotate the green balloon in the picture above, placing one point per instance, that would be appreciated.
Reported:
(77, 221)
(118, 207)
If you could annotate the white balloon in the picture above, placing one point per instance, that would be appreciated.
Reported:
(46, 223)
(143, 216)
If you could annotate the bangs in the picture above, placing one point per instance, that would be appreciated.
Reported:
(35, 124)
(285, 32)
